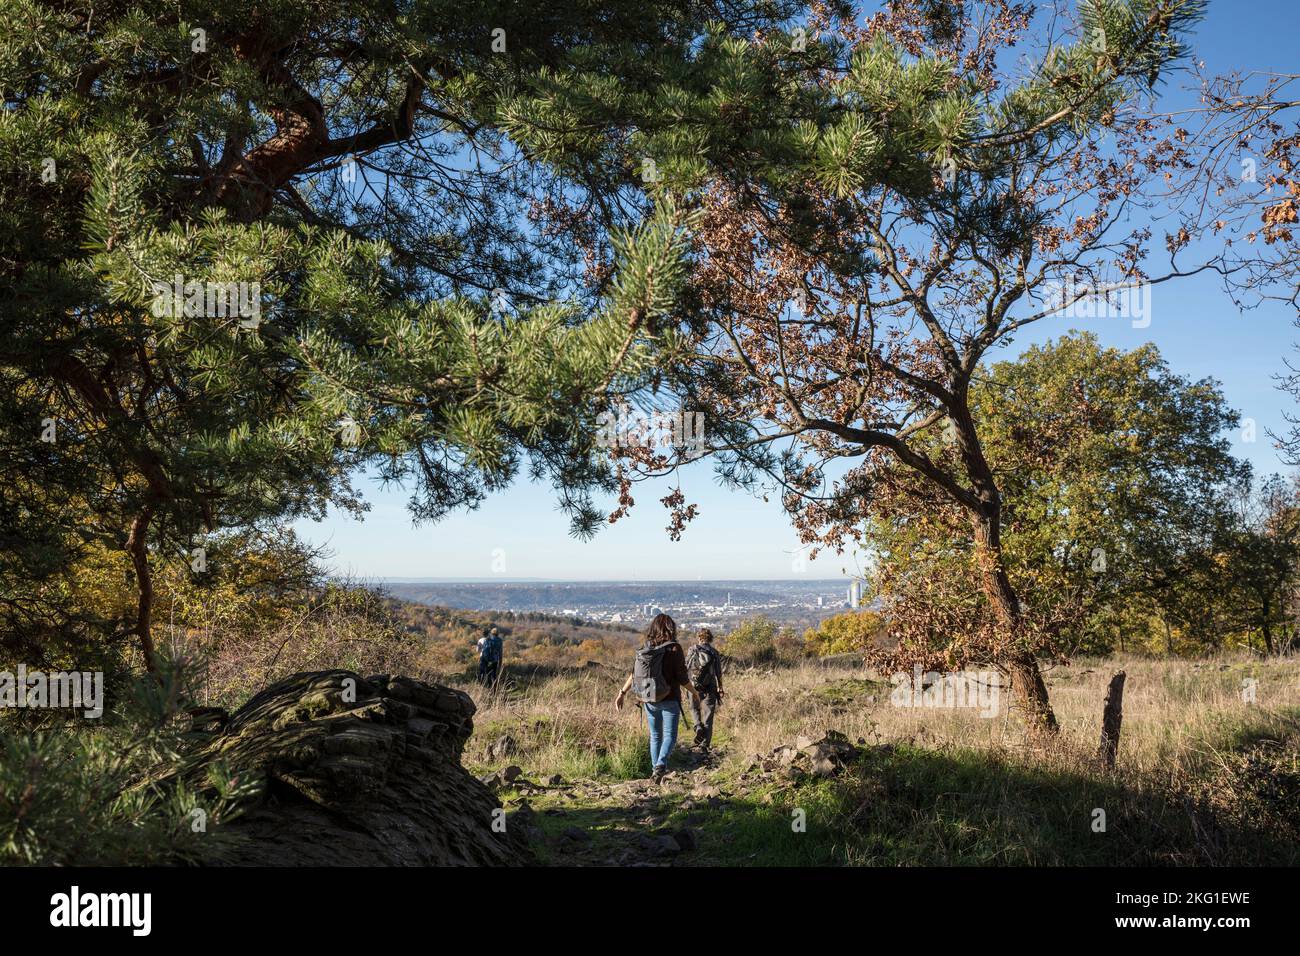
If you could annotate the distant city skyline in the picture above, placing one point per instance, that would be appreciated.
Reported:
(721, 604)
(490, 580)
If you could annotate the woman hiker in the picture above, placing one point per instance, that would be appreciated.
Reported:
(658, 677)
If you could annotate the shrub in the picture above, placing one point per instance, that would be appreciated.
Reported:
(760, 640)
(843, 633)
(78, 792)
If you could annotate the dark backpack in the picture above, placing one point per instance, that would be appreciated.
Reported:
(492, 649)
(702, 665)
(648, 681)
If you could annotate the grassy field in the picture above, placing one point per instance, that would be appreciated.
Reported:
(1205, 776)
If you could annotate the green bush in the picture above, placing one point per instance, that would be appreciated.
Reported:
(760, 640)
(79, 792)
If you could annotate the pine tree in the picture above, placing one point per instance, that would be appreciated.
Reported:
(249, 248)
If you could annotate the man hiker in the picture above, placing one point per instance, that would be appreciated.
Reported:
(704, 665)
(490, 648)
(658, 676)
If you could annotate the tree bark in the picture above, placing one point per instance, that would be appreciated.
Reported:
(1112, 716)
(1027, 684)
(985, 508)
(137, 547)
(1030, 691)
(1267, 628)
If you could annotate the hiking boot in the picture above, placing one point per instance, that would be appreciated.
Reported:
(658, 775)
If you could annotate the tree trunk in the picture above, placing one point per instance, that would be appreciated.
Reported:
(1030, 691)
(1027, 684)
(137, 547)
(1267, 628)
(985, 508)
(1112, 716)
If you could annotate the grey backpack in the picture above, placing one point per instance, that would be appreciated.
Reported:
(648, 681)
(702, 665)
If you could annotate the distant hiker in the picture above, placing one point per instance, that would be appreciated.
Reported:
(704, 665)
(658, 677)
(490, 650)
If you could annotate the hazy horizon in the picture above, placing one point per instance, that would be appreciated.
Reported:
(805, 579)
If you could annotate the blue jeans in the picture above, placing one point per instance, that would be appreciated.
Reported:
(662, 720)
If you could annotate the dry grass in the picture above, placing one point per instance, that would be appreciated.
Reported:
(1205, 777)
(1177, 714)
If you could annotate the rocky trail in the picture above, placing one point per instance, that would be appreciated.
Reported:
(641, 823)
(366, 771)
(615, 823)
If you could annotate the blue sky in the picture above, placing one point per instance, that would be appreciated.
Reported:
(520, 533)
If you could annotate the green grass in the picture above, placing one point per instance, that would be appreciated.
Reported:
(851, 692)
(1204, 778)
(909, 806)
(629, 761)
(558, 748)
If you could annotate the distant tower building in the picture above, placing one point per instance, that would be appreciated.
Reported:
(855, 593)
(819, 600)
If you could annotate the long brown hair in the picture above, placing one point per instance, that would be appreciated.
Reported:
(662, 630)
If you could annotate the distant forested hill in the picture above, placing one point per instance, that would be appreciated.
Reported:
(530, 637)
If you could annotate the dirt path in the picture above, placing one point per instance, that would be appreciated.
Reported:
(706, 811)
(620, 823)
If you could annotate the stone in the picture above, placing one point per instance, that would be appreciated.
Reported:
(510, 774)
(420, 726)
(823, 767)
(523, 815)
(786, 755)
(831, 748)
(576, 835)
(342, 779)
(659, 844)
(501, 748)
(686, 839)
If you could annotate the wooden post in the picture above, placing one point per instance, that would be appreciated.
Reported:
(1111, 718)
